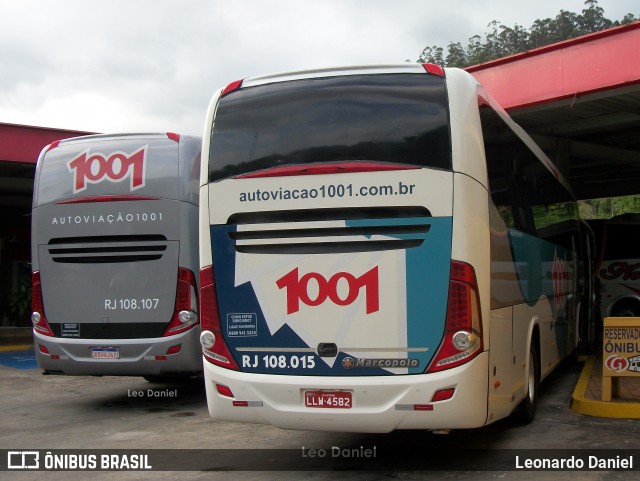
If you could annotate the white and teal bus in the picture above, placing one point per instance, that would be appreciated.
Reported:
(381, 248)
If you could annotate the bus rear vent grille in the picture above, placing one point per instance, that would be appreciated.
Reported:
(323, 231)
(107, 249)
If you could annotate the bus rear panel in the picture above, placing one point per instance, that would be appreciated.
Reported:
(115, 256)
(345, 252)
(331, 236)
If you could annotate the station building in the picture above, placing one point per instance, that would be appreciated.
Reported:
(20, 146)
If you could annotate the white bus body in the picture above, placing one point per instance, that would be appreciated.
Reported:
(367, 262)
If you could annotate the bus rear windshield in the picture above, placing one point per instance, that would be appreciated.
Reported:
(396, 118)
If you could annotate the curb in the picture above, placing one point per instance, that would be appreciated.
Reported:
(589, 407)
(17, 347)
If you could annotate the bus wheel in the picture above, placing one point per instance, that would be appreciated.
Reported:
(626, 308)
(526, 411)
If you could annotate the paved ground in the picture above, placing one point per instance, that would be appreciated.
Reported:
(20, 358)
(55, 412)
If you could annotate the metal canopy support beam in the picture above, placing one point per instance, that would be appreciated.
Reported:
(595, 124)
(596, 171)
(586, 150)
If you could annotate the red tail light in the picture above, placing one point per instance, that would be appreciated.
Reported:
(224, 390)
(462, 339)
(38, 318)
(443, 394)
(233, 86)
(434, 69)
(53, 145)
(215, 350)
(185, 314)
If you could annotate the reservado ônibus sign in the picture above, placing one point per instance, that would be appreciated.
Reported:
(621, 346)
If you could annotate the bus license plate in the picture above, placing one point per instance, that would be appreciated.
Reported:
(328, 399)
(105, 353)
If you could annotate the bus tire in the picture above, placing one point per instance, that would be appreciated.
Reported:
(626, 308)
(526, 411)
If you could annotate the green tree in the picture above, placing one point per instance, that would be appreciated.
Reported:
(476, 53)
(432, 55)
(592, 18)
(540, 33)
(501, 40)
(565, 27)
(456, 55)
(514, 39)
(609, 207)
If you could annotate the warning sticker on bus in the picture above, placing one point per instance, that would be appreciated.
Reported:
(242, 324)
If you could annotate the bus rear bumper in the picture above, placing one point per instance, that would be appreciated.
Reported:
(135, 357)
(379, 404)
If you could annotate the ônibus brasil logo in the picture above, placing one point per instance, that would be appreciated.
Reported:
(298, 289)
(94, 168)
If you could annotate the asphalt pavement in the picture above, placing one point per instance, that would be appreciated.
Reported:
(107, 415)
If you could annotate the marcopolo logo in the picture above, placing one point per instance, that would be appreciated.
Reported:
(340, 293)
(350, 363)
(92, 168)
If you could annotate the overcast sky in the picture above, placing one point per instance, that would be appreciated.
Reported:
(152, 65)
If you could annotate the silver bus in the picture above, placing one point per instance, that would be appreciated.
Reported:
(114, 256)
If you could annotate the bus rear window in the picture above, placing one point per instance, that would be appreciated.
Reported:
(391, 118)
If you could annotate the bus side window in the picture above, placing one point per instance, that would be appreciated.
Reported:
(506, 183)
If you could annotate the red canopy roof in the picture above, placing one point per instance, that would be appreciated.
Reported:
(599, 61)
